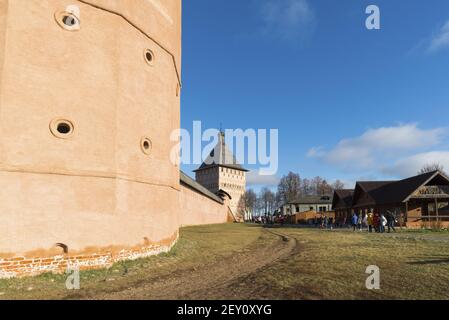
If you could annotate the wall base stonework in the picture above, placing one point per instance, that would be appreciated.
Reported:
(23, 266)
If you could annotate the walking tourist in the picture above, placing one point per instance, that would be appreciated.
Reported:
(383, 223)
(376, 222)
(326, 222)
(390, 221)
(370, 222)
(355, 219)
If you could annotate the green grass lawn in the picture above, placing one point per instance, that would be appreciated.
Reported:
(233, 261)
(332, 265)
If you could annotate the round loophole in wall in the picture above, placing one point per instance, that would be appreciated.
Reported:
(146, 145)
(61, 128)
(149, 56)
(68, 21)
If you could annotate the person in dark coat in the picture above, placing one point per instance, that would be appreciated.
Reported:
(376, 222)
(390, 221)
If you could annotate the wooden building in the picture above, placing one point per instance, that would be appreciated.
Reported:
(342, 205)
(322, 203)
(310, 217)
(419, 201)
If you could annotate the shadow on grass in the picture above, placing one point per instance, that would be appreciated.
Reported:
(431, 260)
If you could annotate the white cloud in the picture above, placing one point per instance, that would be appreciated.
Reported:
(376, 146)
(253, 178)
(441, 39)
(316, 152)
(409, 166)
(287, 19)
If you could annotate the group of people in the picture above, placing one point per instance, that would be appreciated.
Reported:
(375, 222)
(269, 219)
(324, 222)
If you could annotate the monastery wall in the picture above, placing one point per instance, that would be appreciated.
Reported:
(197, 209)
(89, 96)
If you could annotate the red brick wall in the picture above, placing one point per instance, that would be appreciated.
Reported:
(23, 266)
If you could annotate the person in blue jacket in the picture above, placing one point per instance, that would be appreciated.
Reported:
(354, 221)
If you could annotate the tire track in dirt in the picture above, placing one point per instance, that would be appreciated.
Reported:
(244, 286)
(217, 279)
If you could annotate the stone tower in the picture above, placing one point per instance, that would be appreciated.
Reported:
(221, 171)
(89, 95)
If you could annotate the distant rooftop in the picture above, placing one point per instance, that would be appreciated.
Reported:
(343, 198)
(388, 192)
(324, 199)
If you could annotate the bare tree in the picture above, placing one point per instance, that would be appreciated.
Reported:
(306, 187)
(315, 184)
(278, 201)
(268, 199)
(431, 168)
(325, 188)
(248, 202)
(338, 185)
(260, 206)
(292, 187)
(289, 187)
(320, 186)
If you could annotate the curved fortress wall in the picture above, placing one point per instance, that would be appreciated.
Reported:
(85, 120)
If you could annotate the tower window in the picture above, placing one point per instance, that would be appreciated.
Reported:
(149, 56)
(61, 128)
(146, 145)
(64, 128)
(68, 20)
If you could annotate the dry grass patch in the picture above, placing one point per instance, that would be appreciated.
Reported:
(234, 261)
(331, 265)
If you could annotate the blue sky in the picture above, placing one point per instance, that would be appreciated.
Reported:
(349, 103)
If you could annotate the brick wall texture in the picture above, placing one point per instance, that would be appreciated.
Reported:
(24, 266)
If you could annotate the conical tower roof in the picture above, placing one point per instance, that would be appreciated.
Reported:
(221, 156)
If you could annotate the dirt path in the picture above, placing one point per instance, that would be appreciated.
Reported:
(219, 279)
(247, 262)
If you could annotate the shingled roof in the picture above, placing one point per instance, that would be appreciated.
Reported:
(189, 182)
(221, 156)
(343, 199)
(370, 193)
(324, 199)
